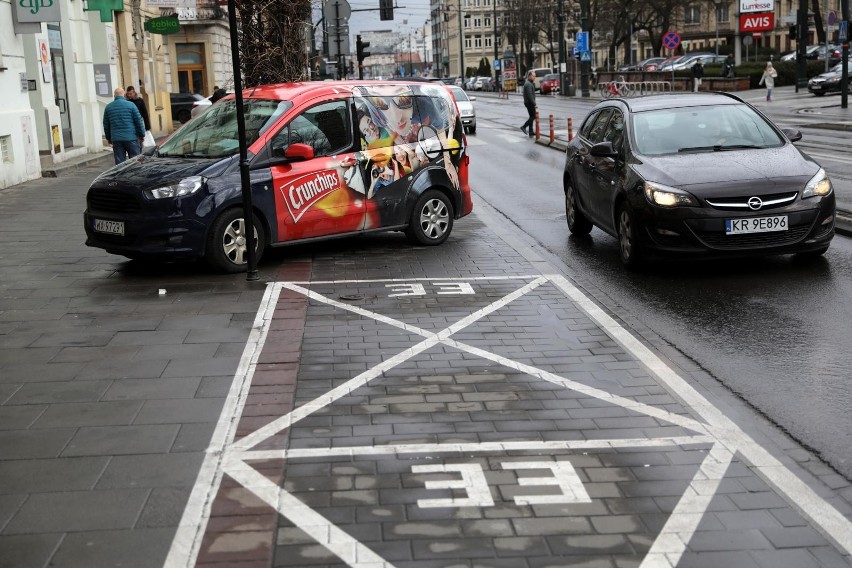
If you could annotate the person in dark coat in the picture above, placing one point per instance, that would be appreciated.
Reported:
(123, 127)
(529, 103)
(134, 98)
(218, 93)
(697, 75)
(728, 67)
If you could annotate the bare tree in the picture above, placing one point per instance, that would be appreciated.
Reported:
(272, 40)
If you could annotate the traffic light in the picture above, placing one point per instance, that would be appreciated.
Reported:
(362, 53)
(386, 9)
(793, 30)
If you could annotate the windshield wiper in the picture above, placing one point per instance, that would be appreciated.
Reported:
(718, 147)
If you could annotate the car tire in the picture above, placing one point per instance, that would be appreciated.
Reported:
(226, 249)
(819, 94)
(431, 219)
(472, 129)
(184, 116)
(578, 223)
(628, 245)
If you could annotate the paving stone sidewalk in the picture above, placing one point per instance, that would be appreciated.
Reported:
(471, 412)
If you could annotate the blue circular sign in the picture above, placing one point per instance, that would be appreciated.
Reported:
(671, 40)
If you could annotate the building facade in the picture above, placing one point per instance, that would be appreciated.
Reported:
(60, 61)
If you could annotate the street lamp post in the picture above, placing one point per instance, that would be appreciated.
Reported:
(461, 43)
(717, 3)
(562, 62)
(496, 53)
(585, 66)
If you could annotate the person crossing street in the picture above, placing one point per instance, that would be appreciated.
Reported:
(529, 103)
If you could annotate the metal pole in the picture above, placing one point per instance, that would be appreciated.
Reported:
(562, 62)
(716, 14)
(245, 179)
(801, 45)
(461, 43)
(340, 71)
(585, 65)
(844, 57)
(826, 37)
(496, 53)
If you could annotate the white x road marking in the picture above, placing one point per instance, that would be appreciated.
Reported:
(226, 456)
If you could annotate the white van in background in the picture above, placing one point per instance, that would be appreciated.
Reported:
(539, 76)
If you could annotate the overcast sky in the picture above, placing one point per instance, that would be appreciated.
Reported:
(409, 15)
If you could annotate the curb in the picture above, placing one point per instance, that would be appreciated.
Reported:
(64, 168)
(843, 219)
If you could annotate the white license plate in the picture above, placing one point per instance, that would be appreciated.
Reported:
(111, 227)
(756, 225)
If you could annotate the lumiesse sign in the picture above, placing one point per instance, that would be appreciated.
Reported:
(164, 26)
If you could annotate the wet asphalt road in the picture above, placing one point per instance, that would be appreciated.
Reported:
(776, 331)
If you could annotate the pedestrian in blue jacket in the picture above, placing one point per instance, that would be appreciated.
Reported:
(123, 127)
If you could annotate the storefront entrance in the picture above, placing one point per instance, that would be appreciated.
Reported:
(60, 86)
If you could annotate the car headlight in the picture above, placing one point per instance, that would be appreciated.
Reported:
(186, 186)
(819, 185)
(665, 196)
(834, 80)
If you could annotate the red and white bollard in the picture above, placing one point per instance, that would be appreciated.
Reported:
(552, 131)
(570, 129)
(537, 126)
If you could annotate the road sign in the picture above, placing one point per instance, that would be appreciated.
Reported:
(671, 40)
(832, 17)
(747, 41)
(582, 41)
(843, 30)
(335, 9)
(586, 55)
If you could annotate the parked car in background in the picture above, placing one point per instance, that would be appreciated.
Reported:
(466, 110)
(450, 80)
(540, 73)
(182, 104)
(826, 82)
(468, 83)
(482, 84)
(704, 59)
(683, 62)
(818, 52)
(550, 84)
(696, 176)
(201, 105)
(649, 64)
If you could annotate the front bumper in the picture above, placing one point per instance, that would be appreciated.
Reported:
(684, 232)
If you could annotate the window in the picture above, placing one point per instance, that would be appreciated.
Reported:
(325, 127)
(488, 42)
(597, 131)
(467, 42)
(722, 16)
(477, 22)
(477, 41)
(487, 21)
(615, 131)
(692, 14)
(5, 149)
(466, 22)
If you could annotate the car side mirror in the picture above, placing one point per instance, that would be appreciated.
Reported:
(603, 150)
(792, 134)
(299, 152)
(472, 98)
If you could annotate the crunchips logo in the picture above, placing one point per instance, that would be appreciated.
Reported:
(303, 192)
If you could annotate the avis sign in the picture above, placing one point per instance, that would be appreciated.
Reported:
(757, 22)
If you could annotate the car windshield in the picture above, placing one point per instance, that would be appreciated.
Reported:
(459, 94)
(707, 128)
(551, 77)
(213, 134)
